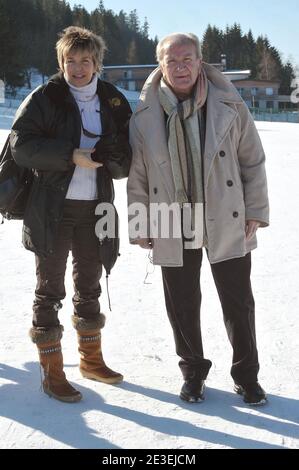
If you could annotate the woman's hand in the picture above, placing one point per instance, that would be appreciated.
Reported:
(81, 157)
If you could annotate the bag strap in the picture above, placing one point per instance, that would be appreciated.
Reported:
(3, 155)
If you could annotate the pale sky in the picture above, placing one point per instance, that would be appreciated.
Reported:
(274, 18)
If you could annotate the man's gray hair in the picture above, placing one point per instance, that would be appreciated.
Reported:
(178, 39)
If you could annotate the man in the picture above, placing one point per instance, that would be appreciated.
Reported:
(195, 145)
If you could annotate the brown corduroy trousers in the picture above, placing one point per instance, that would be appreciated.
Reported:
(77, 234)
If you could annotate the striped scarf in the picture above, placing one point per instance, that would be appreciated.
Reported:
(184, 145)
(184, 139)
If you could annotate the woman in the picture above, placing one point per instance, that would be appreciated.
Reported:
(73, 133)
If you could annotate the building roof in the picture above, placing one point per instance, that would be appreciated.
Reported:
(237, 72)
(145, 66)
(235, 75)
(252, 82)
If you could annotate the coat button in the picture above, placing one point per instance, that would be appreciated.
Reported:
(222, 153)
(229, 183)
(235, 214)
(155, 190)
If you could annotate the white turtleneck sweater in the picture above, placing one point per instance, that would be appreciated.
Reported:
(83, 185)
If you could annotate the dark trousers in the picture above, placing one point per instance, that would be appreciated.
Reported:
(76, 233)
(183, 300)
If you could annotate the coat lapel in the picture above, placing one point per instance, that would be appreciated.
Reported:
(153, 121)
(220, 118)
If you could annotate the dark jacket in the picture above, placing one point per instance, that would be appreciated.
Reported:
(45, 132)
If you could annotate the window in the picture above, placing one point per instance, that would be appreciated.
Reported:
(254, 102)
(270, 105)
(240, 90)
(128, 74)
(269, 91)
(253, 91)
(132, 85)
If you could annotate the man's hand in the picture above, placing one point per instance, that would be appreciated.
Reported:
(145, 243)
(251, 228)
(81, 157)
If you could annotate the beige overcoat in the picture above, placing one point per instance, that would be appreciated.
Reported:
(235, 185)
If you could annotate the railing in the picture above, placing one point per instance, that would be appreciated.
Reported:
(274, 115)
(10, 105)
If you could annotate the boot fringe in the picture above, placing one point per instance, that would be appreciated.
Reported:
(82, 324)
(45, 335)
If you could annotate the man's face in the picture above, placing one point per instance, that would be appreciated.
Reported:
(180, 67)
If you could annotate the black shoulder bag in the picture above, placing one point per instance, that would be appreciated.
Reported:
(15, 184)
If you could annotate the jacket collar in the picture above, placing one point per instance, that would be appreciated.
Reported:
(58, 90)
(222, 101)
(221, 88)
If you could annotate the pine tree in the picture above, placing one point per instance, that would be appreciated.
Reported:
(145, 28)
(268, 66)
(101, 7)
(287, 75)
(234, 46)
(212, 44)
(132, 57)
(81, 17)
(250, 51)
(134, 23)
(12, 60)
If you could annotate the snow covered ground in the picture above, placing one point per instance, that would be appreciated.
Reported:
(145, 412)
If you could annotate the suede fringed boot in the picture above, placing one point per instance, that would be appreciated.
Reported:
(92, 365)
(48, 345)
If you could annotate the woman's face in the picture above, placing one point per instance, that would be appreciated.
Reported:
(79, 68)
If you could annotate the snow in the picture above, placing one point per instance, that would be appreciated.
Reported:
(145, 411)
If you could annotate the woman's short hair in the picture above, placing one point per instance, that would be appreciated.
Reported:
(178, 39)
(74, 39)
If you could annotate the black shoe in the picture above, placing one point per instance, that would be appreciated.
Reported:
(252, 393)
(193, 391)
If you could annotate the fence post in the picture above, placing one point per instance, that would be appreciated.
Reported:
(2, 92)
